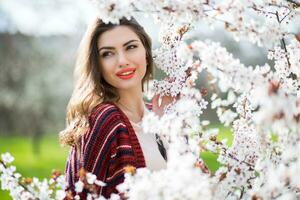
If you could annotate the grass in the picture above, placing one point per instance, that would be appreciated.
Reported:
(52, 156)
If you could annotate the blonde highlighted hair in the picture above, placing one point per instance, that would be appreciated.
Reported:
(90, 87)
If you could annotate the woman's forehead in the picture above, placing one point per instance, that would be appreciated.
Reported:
(117, 36)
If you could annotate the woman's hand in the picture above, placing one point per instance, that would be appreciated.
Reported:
(159, 109)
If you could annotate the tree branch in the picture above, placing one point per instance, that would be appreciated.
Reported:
(294, 2)
(20, 183)
(283, 43)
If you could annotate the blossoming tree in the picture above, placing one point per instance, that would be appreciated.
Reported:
(262, 106)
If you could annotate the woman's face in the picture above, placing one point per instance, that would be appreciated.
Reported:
(122, 58)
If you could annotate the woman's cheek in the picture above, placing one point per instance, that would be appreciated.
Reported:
(142, 59)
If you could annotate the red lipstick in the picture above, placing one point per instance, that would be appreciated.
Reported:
(126, 73)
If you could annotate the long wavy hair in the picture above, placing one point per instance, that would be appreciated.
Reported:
(90, 87)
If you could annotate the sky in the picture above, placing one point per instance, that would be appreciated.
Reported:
(47, 17)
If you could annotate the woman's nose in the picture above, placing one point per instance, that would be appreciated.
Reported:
(122, 59)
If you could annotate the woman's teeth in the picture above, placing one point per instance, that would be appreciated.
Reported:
(127, 73)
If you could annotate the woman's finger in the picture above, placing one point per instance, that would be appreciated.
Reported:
(154, 101)
(166, 100)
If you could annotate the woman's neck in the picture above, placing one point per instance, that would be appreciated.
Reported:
(131, 102)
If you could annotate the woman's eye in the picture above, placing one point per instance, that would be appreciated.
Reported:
(106, 54)
(132, 47)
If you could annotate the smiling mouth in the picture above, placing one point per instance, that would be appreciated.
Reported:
(126, 73)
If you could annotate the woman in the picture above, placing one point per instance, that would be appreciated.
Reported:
(107, 106)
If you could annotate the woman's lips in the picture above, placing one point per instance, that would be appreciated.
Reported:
(126, 73)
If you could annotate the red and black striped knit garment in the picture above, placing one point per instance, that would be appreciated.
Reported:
(109, 145)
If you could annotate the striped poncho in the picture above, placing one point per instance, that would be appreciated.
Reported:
(108, 146)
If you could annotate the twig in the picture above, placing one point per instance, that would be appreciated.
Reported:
(242, 192)
(259, 10)
(286, 15)
(283, 43)
(251, 166)
(244, 108)
(20, 183)
(294, 2)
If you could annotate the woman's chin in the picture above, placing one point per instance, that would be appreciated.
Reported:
(130, 86)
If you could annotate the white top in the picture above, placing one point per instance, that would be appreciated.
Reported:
(152, 155)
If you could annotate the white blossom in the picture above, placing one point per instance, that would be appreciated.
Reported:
(91, 178)
(79, 186)
(7, 158)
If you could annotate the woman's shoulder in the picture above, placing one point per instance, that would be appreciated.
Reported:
(104, 111)
(104, 118)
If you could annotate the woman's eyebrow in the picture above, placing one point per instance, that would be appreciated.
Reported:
(110, 48)
(130, 42)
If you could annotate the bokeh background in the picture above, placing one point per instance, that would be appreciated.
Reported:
(38, 44)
